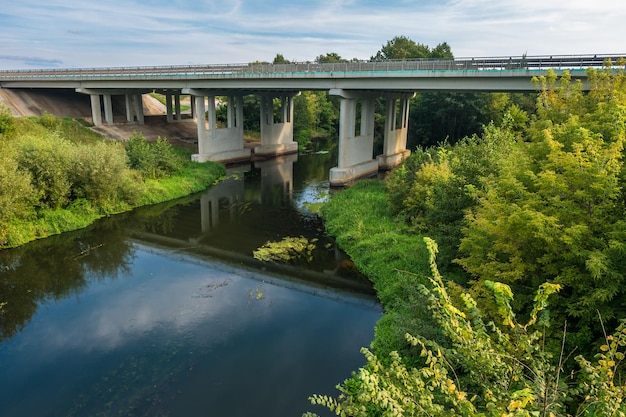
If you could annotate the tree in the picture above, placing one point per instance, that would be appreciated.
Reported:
(556, 213)
(329, 58)
(280, 59)
(402, 47)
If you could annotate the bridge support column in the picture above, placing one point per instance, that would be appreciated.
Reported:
(355, 149)
(96, 109)
(138, 101)
(277, 137)
(396, 129)
(108, 108)
(219, 144)
(134, 108)
(173, 110)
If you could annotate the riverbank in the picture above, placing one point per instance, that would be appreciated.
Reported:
(59, 176)
(382, 248)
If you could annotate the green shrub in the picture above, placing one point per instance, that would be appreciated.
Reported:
(486, 368)
(100, 173)
(7, 122)
(153, 160)
(16, 192)
(47, 158)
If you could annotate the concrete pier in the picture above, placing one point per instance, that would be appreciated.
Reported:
(219, 144)
(396, 130)
(355, 148)
(277, 136)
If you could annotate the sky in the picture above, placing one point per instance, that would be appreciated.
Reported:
(108, 33)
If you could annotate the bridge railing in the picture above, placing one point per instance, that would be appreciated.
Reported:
(526, 63)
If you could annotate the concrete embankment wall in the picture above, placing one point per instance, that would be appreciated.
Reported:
(68, 103)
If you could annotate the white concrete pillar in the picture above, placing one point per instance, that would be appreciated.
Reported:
(230, 122)
(177, 106)
(130, 114)
(276, 138)
(216, 144)
(192, 101)
(96, 109)
(211, 113)
(108, 109)
(355, 157)
(239, 116)
(139, 108)
(168, 107)
(396, 131)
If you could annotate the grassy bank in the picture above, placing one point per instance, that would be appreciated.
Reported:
(56, 175)
(381, 247)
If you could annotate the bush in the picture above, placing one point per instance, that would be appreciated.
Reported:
(47, 158)
(487, 368)
(7, 123)
(16, 191)
(100, 173)
(153, 160)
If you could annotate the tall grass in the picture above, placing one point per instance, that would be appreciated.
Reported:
(381, 246)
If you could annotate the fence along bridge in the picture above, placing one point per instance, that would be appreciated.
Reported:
(357, 83)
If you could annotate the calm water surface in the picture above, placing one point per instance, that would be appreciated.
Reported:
(164, 312)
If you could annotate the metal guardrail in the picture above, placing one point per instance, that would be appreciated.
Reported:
(525, 63)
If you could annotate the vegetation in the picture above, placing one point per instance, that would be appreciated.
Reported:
(57, 175)
(532, 207)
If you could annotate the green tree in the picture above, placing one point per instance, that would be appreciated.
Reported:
(280, 59)
(401, 47)
(556, 213)
(329, 58)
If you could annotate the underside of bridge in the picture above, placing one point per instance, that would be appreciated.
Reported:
(226, 143)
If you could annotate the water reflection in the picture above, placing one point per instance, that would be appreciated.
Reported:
(135, 316)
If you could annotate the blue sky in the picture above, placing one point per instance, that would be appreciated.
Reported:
(71, 33)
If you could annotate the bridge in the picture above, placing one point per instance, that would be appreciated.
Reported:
(357, 83)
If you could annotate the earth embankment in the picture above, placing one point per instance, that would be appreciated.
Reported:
(68, 103)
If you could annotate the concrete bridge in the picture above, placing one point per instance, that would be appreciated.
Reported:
(358, 84)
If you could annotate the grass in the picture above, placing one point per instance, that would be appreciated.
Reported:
(384, 250)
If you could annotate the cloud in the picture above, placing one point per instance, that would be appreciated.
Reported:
(32, 61)
(184, 31)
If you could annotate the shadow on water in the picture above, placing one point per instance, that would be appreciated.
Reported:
(164, 311)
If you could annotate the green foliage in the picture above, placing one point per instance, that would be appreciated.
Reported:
(289, 250)
(315, 116)
(482, 370)
(329, 58)
(48, 160)
(555, 212)
(435, 186)
(7, 122)
(401, 47)
(99, 173)
(16, 191)
(56, 176)
(153, 159)
(363, 226)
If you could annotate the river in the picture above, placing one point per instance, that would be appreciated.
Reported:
(163, 311)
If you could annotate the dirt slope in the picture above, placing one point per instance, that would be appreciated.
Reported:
(68, 103)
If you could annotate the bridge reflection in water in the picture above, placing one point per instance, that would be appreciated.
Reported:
(256, 204)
